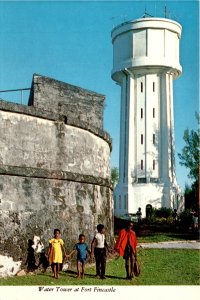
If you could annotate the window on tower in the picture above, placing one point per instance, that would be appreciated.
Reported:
(141, 113)
(153, 86)
(154, 164)
(154, 139)
(153, 112)
(142, 164)
(142, 140)
(154, 180)
(125, 202)
(141, 87)
(142, 180)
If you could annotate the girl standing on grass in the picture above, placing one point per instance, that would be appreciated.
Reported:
(55, 252)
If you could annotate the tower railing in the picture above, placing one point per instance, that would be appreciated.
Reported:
(17, 90)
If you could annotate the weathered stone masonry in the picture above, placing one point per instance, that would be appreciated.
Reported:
(54, 166)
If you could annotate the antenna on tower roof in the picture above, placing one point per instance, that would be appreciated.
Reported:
(146, 14)
(165, 11)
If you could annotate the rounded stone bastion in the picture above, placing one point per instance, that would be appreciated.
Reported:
(54, 167)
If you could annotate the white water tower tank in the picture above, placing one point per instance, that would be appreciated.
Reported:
(145, 44)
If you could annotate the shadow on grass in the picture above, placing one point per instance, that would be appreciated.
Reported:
(115, 277)
(73, 274)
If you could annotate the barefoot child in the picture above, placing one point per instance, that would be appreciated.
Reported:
(98, 249)
(126, 247)
(55, 252)
(82, 249)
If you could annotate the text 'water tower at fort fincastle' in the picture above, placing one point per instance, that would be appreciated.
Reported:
(145, 63)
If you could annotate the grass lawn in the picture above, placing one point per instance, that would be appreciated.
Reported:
(159, 267)
(156, 238)
(166, 237)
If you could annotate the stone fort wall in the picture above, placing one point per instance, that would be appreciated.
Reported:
(54, 167)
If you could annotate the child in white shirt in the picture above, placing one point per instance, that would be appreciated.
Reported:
(98, 249)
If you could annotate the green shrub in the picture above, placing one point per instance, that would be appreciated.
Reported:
(163, 212)
(160, 216)
(164, 221)
(186, 219)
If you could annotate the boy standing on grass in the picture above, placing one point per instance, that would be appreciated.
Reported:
(98, 249)
(55, 252)
(82, 250)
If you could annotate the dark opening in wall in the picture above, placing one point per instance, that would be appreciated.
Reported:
(65, 119)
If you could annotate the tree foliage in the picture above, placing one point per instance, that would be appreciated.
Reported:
(191, 196)
(114, 175)
(190, 159)
(190, 152)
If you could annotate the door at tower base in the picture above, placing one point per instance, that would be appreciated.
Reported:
(129, 198)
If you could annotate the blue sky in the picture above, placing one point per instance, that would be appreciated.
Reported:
(71, 42)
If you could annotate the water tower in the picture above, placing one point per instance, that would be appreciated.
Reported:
(145, 63)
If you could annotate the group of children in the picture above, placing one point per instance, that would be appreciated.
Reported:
(56, 252)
